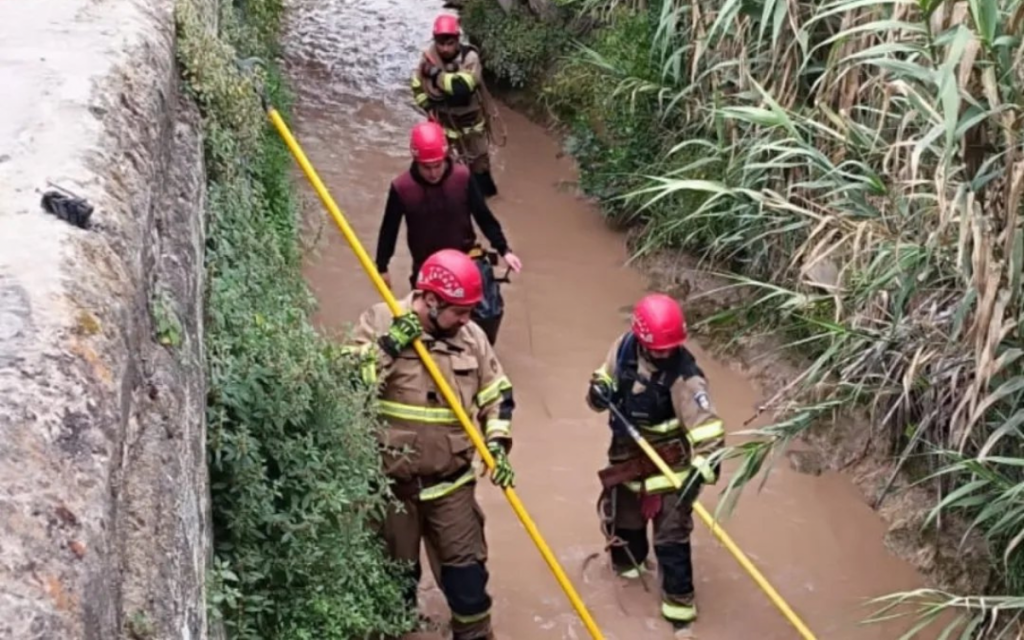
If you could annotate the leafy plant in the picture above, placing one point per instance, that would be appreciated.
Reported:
(168, 326)
(876, 175)
(295, 477)
(515, 47)
(860, 164)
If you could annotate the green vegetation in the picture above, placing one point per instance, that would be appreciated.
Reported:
(859, 165)
(291, 445)
(523, 46)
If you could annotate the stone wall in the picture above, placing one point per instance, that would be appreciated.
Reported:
(103, 488)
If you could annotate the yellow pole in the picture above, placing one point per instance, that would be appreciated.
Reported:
(717, 531)
(745, 562)
(428, 362)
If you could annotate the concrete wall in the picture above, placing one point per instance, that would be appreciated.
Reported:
(103, 487)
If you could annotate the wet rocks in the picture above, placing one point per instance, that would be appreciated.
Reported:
(807, 462)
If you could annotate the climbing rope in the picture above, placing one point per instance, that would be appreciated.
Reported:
(606, 520)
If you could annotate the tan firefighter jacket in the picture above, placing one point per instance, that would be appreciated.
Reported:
(424, 443)
(696, 422)
(458, 113)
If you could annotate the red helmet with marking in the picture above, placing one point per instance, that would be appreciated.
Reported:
(452, 276)
(658, 322)
(446, 25)
(428, 143)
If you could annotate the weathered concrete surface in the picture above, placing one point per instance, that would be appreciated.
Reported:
(103, 488)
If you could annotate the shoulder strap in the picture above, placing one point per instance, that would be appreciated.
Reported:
(626, 364)
(688, 367)
(622, 359)
(465, 50)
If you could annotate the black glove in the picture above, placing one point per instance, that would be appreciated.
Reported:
(599, 394)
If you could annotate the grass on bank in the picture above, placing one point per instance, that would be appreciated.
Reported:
(860, 164)
(294, 469)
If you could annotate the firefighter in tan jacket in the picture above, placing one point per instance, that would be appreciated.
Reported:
(655, 383)
(448, 85)
(425, 450)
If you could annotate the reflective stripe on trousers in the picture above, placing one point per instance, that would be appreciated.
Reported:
(678, 612)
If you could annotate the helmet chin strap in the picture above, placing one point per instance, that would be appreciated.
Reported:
(433, 313)
(662, 363)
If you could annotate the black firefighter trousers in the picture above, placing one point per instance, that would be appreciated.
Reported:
(672, 525)
(453, 529)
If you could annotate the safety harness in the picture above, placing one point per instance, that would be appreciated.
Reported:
(650, 410)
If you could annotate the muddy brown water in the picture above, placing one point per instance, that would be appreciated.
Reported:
(814, 538)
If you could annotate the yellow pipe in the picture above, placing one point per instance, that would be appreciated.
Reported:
(428, 362)
(745, 562)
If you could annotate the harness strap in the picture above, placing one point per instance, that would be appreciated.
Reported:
(640, 466)
(627, 367)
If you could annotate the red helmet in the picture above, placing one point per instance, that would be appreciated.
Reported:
(428, 143)
(453, 277)
(658, 322)
(446, 25)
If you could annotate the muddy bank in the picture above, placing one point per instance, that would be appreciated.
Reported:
(103, 491)
(812, 535)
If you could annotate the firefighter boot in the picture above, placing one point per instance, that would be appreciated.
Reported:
(677, 600)
(628, 559)
(465, 588)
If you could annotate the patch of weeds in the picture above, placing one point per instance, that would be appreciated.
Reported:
(602, 92)
(167, 325)
(292, 451)
(139, 626)
(516, 47)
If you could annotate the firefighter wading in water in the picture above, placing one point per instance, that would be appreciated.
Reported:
(656, 384)
(426, 452)
(448, 85)
(439, 202)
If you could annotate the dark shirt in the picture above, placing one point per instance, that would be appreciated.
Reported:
(432, 238)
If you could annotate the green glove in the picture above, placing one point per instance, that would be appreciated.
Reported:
(404, 329)
(708, 472)
(502, 474)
